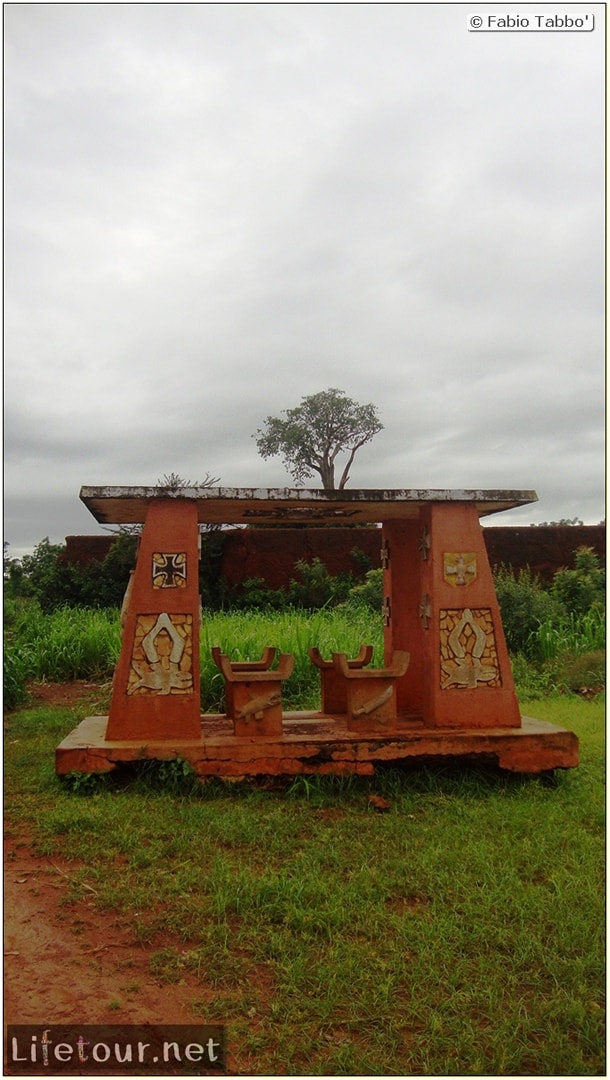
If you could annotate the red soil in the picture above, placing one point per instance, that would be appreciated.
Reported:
(70, 963)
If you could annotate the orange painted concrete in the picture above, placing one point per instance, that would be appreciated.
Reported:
(254, 692)
(371, 693)
(171, 711)
(402, 593)
(484, 706)
(333, 684)
(312, 744)
(418, 594)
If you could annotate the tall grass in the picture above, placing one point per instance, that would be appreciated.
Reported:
(573, 635)
(69, 643)
(79, 643)
(244, 635)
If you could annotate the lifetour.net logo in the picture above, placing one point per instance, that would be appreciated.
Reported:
(121, 1049)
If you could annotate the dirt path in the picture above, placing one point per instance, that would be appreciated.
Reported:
(71, 962)
(76, 963)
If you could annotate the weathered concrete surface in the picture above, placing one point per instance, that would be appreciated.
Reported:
(229, 506)
(333, 689)
(371, 693)
(313, 743)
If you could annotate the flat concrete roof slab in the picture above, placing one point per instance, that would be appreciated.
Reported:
(291, 506)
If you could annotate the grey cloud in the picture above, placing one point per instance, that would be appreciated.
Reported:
(213, 210)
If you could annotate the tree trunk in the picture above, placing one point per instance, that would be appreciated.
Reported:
(327, 473)
(345, 474)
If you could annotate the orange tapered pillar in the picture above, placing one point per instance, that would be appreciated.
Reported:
(155, 691)
(440, 605)
(401, 559)
(469, 682)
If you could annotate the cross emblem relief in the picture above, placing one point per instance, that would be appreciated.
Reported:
(169, 570)
(425, 611)
(385, 555)
(459, 567)
(424, 544)
(386, 611)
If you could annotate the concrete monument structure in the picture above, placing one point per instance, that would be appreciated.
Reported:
(445, 689)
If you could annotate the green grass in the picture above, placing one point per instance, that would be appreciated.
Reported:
(461, 932)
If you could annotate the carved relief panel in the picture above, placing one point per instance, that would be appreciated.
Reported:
(459, 567)
(468, 649)
(162, 657)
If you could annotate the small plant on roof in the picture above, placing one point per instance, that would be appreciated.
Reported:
(175, 482)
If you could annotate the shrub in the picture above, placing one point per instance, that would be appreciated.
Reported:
(569, 634)
(531, 680)
(583, 588)
(46, 577)
(370, 592)
(318, 588)
(254, 593)
(212, 586)
(525, 606)
(587, 671)
(114, 572)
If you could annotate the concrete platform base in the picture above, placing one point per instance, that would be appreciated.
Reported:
(314, 743)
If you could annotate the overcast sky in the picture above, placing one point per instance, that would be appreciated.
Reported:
(213, 210)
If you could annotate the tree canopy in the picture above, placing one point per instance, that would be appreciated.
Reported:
(315, 432)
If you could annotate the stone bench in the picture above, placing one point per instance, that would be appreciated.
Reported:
(254, 691)
(371, 692)
(332, 681)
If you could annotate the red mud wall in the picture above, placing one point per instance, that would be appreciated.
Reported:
(545, 548)
(271, 554)
(84, 549)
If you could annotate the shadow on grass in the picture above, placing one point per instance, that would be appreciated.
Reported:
(474, 779)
